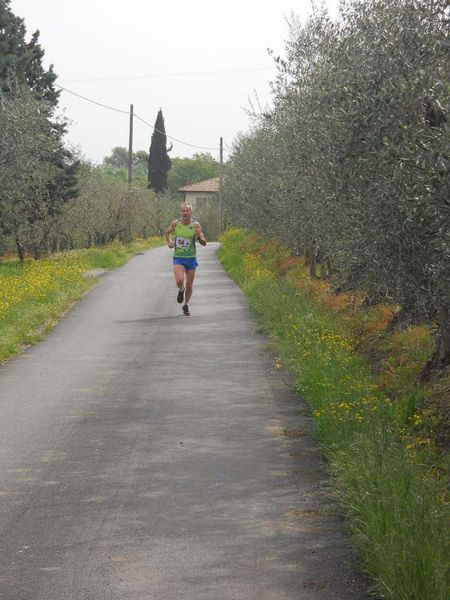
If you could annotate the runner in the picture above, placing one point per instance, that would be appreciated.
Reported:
(187, 231)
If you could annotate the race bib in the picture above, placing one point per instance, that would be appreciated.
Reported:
(183, 243)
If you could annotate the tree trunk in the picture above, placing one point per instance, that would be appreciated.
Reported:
(440, 358)
(313, 262)
(20, 249)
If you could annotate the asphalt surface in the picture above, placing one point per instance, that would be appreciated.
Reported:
(149, 455)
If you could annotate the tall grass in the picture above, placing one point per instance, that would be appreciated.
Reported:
(385, 469)
(34, 294)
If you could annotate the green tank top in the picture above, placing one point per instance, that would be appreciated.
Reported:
(185, 240)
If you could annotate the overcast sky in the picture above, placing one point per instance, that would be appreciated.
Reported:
(198, 60)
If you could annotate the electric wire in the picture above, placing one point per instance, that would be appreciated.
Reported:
(174, 138)
(126, 112)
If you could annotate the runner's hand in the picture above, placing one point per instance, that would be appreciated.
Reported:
(171, 244)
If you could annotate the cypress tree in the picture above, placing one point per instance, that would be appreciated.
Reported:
(159, 162)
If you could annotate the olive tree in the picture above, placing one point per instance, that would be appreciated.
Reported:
(27, 169)
(351, 163)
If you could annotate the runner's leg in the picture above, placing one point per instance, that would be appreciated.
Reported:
(178, 271)
(190, 276)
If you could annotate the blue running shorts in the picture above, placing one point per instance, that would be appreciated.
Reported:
(190, 264)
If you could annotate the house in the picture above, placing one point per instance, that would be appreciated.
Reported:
(203, 194)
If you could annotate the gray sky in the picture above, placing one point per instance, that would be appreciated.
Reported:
(198, 60)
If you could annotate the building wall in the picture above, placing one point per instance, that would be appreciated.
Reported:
(201, 199)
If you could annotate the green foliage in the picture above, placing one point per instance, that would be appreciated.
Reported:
(38, 174)
(106, 210)
(352, 164)
(21, 61)
(138, 175)
(118, 159)
(28, 172)
(158, 161)
(385, 471)
(190, 170)
(183, 170)
(108, 172)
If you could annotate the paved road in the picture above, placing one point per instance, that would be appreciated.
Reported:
(148, 455)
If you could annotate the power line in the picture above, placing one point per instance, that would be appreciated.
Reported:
(174, 138)
(126, 112)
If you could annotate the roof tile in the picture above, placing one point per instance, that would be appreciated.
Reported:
(208, 185)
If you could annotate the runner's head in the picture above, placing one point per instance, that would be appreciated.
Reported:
(186, 210)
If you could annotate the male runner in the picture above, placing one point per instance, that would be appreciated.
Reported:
(186, 231)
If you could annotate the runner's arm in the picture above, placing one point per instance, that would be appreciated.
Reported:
(168, 234)
(199, 234)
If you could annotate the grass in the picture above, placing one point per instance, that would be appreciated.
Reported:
(34, 294)
(371, 418)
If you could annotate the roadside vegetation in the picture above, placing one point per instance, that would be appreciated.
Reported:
(348, 170)
(34, 294)
(350, 166)
(380, 431)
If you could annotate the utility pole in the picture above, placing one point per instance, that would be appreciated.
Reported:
(220, 188)
(130, 148)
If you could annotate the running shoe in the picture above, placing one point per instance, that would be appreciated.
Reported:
(180, 296)
(186, 310)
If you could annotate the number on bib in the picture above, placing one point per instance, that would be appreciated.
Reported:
(183, 242)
